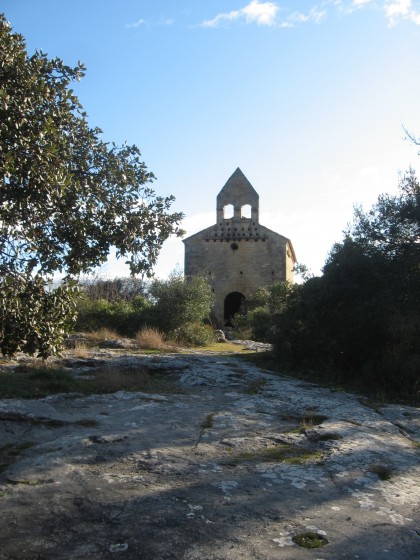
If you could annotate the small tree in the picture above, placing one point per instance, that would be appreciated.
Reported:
(66, 197)
(181, 302)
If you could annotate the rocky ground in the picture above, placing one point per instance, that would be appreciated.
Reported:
(221, 461)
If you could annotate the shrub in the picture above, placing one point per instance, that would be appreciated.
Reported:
(92, 315)
(33, 317)
(125, 317)
(263, 306)
(180, 301)
(261, 324)
(178, 308)
(241, 326)
(193, 334)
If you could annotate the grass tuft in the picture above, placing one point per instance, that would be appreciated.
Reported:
(80, 350)
(150, 338)
(286, 453)
(208, 422)
(103, 334)
(383, 472)
(310, 539)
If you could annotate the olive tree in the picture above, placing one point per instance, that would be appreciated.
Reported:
(66, 197)
(181, 305)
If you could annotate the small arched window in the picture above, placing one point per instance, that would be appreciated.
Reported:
(246, 211)
(228, 211)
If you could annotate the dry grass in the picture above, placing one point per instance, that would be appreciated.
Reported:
(150, 338)
(111, 379)
(222, 348)
(80, 350)
(103, 334)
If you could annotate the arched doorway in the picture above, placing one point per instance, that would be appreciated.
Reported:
(233, 302)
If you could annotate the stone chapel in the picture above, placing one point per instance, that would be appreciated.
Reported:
(238, 255)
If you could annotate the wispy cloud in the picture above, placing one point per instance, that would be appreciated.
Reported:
(396, 10)
(140, 22)
(266, 13)
(362, 2)
(261, 13)
(135, 24)
(347, 7)
(315, 15)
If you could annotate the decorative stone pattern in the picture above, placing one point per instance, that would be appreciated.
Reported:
(238, 254)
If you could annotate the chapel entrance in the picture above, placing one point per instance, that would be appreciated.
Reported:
(233, 302)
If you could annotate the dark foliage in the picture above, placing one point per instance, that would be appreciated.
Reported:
(361, 319)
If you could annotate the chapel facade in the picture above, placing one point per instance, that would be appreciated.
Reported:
(238, 255)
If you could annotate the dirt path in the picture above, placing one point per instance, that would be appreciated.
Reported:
(224, 462)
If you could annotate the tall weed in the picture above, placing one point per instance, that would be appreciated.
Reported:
(150, 338)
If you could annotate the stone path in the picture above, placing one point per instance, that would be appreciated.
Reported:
(225, 462)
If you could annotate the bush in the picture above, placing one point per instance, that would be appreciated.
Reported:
(93, 315)
(33, 317)
(241, 326)
(193, 334)
(177, 308)
(263, 306)
(126, 317)
(260, 320)
(180, 301)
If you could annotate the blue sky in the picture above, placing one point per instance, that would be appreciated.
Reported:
(308, 98)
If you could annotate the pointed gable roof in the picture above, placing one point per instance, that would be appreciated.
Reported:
(238, 187)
